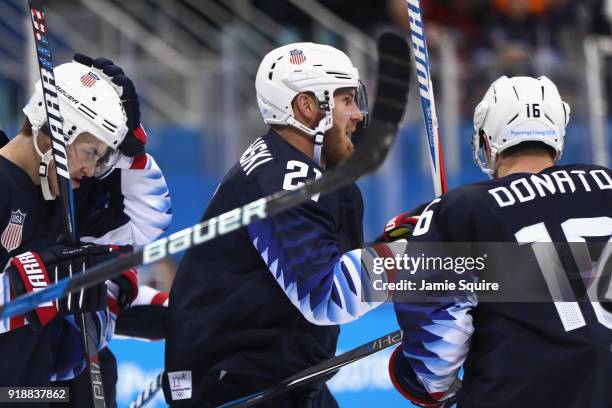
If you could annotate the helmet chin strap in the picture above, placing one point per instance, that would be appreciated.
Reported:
(43, 168)
(492, 166)
(318, 133)
(324, 125)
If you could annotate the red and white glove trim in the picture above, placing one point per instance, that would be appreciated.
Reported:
(34, 277)
(393, 229)
(150, 296)
(141, 134)
(134, 163)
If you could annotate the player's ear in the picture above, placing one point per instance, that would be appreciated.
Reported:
(305, 108)
(44, 138)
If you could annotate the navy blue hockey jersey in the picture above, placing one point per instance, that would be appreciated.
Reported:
(22, 211)
(547, 354)
(264, 302)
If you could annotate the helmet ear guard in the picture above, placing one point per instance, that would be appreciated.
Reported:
(479, 152)
(479, 142)
(567, 111)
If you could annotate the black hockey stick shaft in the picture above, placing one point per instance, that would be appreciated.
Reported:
(60, 157)
(319, 371)
(311, 374)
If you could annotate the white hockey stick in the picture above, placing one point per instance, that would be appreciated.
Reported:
(421, 60)
(54, 120)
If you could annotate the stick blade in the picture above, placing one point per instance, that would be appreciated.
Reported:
(36, 4)
(393, 85)
(394, 75)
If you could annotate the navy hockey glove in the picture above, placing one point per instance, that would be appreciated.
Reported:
(32, 271)
(134, 143)
(122, 291)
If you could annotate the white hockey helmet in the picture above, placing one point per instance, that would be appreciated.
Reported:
(87, 104)
(516, 110)
(305, 67)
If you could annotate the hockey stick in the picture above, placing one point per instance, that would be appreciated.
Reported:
(421, 59)
(304, 377)
(318, 371)
(371, 153)
(393, 79)
(148, 393)
(54, 120)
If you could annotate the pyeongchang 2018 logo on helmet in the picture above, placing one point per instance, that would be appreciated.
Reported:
(533, 132)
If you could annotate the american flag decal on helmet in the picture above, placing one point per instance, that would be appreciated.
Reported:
(89, 79)
(297, 57)
(11, 237)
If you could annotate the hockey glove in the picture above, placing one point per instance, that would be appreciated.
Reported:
(134, 143)
(406, 382)
(32, 271)
(401, 226)
(122, 291)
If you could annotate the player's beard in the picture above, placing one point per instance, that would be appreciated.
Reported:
(337, 146)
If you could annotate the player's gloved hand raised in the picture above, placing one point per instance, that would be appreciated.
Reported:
(401, 226)
(134, 143)
(32, 271)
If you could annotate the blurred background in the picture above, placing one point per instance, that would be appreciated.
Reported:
(194, 64)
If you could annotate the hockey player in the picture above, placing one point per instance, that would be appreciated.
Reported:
(553, 354)
(261, 303)
(113, 177)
